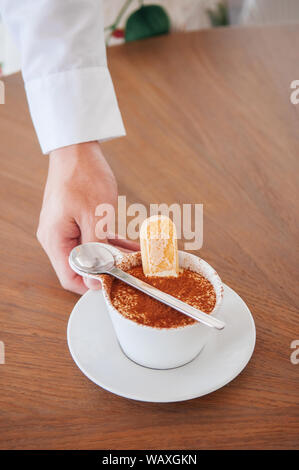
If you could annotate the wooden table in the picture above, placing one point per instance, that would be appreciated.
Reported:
(209, 120)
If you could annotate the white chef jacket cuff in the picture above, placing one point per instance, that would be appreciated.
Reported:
(74, 106)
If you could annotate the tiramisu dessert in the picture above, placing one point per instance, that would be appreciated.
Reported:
(158, 265)
(188, 286)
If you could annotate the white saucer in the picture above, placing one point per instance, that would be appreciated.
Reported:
(95, 350)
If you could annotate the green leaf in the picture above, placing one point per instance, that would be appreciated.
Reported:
(219, 16)
(147, 21)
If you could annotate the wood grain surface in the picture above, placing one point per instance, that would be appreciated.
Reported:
(209, 120)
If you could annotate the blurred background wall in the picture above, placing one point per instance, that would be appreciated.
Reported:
(185, 15)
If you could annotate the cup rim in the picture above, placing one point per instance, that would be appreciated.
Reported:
(119, 257)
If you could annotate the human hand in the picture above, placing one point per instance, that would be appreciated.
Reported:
(79, 179)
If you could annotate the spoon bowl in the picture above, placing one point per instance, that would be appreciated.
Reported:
(91, 258)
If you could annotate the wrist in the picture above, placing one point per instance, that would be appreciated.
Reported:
(77, 157)
(84, 161)
(74, 151)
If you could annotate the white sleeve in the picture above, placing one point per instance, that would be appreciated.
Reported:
(68, 85)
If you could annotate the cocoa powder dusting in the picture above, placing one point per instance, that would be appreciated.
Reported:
(189, 286)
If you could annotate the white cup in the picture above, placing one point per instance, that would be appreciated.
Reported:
(162, 348)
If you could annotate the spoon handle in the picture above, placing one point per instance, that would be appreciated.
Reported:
(167, 299)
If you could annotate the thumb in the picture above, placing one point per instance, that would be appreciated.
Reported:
(88, 234)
